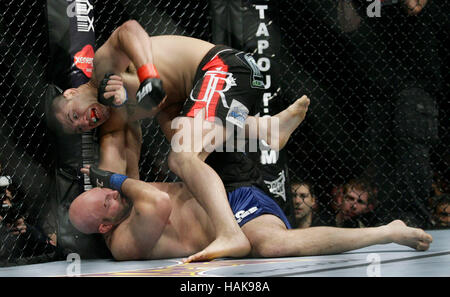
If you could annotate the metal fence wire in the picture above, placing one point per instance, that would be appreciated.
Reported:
(378, 120)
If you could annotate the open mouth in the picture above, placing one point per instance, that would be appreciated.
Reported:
(94, 116)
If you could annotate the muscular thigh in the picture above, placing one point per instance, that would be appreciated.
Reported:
(264, 231)
(196, 135)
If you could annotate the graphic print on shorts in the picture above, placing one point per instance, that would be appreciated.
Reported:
(256, 78)
(215, 83)
(241, 214)
(237, 114)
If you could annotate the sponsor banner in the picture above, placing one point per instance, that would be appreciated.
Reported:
(82, 40)
(266, 48)
(84, 59)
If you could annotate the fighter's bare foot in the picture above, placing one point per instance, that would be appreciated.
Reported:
(413, 237)
(237, 246)
(289, 120)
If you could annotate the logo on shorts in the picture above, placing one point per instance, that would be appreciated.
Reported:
(241, 214)
(237, 114)
(276, 186)
(84, 59)
(256, 76)
(216, 83)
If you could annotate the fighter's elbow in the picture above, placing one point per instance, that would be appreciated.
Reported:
(130, 26)
(159, 204)
(163, 204)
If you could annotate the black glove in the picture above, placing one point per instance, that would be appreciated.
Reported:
(150, 93)
(106, 179)
(100, 178)
(101, 91)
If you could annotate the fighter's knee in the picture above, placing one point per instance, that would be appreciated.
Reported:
(176, 160)
(171, 161)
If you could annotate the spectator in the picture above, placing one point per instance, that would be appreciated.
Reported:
(396, 59)
(356, 209)
(441, 184)
(441, 211)
(17, 237)
(337, 194)
(304, 203)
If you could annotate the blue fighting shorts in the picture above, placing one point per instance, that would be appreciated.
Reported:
(248, 203)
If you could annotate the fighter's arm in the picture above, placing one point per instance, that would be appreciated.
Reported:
(120, 145)
(113, 152)
(150, 213)
(128, 43)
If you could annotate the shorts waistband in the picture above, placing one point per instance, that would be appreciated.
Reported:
(209, 55)
(212, 52)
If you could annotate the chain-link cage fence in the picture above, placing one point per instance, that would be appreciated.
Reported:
(378, 79)
(25, 154)
(378, 119)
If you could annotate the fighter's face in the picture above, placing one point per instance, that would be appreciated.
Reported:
(115, 207)
(108, 205)
(80, 113)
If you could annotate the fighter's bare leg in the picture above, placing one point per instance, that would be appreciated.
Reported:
(276, 130)
(207, 187)
(210, 192)
(274, 240)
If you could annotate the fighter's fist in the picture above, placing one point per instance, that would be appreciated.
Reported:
(104, 179)
(111, 91)
(150, 93)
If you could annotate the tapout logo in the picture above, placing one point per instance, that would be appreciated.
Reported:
(268, 156)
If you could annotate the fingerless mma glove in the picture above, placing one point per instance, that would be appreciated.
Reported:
(101, 92)
(151, 91)
(106, 179)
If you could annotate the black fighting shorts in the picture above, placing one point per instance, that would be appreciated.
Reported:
(228, 85)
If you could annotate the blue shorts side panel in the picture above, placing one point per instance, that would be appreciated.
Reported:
(248, 203)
